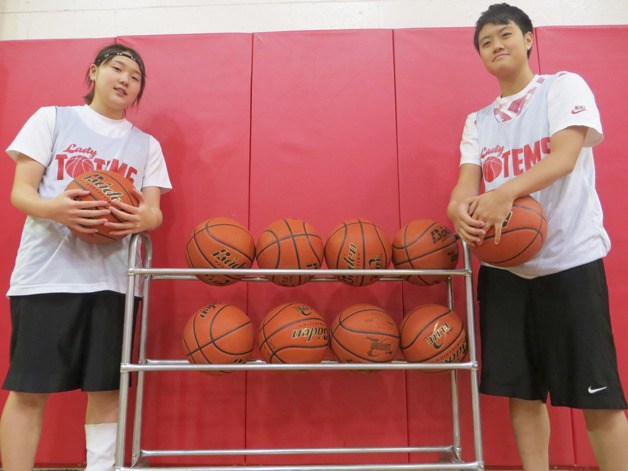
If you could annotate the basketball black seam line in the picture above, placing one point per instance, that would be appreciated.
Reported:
(418, 237)
(294, 246)
(352, 313)
(267, 337)
(83, 187)
(344, 240)
(431, 322)
(537, 234)
(283, 307)
(309, 243)
(410, 260)
(212, 340)
(340, 344)
(462, 332)
(114, 176)
(207, 231)
(266, 321)
(204, 257)
(342, 320)
(211, 325)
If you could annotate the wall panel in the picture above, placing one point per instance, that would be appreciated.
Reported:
(601, 58)
(323, 149)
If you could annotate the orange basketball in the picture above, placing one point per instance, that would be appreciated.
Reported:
(425, 244)
(364, 333)
(293, 333)
(289, 244)
(432, 333)
(103, 185)
(218, 334)
(358, 244)
(220, 243)
(523, 234)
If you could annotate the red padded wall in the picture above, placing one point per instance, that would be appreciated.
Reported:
(601, 58)
(197, 104)
(35, 74)
(323, 149)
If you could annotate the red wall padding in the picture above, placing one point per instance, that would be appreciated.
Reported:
(322, 126)
(323, 149)
(602, 59)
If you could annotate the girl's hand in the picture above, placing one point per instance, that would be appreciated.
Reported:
(133, 219)
(81, 216)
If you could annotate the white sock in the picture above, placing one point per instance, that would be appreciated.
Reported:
(100, 442)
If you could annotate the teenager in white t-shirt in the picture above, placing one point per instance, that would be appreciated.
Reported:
(74, 288)
(545, 324)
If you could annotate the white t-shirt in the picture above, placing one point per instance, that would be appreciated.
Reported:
(513, 133)
(50, 258)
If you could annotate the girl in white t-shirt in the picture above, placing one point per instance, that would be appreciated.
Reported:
(74, 288)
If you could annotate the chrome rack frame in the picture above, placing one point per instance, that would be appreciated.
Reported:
(146, 273)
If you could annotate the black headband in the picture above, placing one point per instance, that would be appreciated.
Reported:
(124, 54)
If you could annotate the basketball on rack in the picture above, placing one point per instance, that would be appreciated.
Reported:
(432, 333)
(289, 244)
(364, 333)
(220, 242)
(523, 234)
(103, 185)
(293, 333)
(425, 244)
(218, 334)
(358, 244)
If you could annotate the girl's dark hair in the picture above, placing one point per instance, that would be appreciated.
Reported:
(502, 14)
(105, 55)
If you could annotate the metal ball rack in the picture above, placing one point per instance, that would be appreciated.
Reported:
(143, 272)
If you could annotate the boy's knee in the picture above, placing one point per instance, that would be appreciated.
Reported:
(603, 418)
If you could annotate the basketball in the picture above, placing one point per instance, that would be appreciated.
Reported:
(432, 333)
(364, 333)
(218, 334)
(289, 244)
(103, 185)
(523, 234)
(358, 244)
(220, 243)
(293, 333)
(425, 244)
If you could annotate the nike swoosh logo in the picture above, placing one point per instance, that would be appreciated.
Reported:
(577, 111)
(596, 390)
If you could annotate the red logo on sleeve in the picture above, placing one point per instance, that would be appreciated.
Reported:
(578, 109)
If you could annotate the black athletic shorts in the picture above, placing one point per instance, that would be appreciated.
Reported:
(66, 341)
(550, 334)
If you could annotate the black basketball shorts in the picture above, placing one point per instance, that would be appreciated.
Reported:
(549, 335)
(66, 341)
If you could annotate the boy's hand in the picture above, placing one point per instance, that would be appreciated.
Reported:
(470, 230)
(492, 208)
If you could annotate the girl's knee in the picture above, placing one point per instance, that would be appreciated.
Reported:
(26, 400)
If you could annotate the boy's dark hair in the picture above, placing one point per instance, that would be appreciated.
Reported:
(105, 55)
(502, 14)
